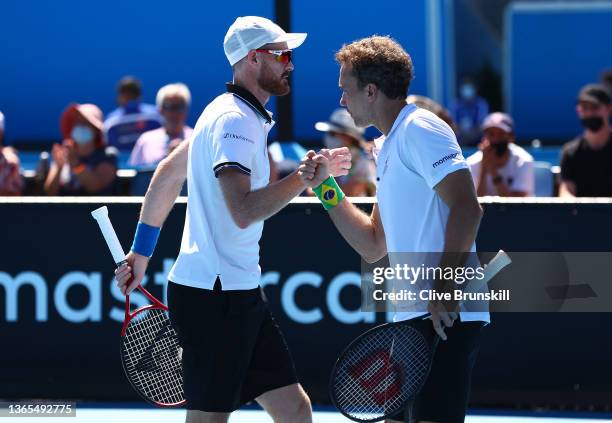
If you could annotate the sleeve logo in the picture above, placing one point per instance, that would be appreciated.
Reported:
(445, 159)
(229, 135)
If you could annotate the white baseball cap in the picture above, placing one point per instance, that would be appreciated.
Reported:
(499, 120)
(251, 32)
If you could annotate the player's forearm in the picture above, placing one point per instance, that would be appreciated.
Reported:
(359, 230)
(164, 188)
(263, 203)
(461, 230)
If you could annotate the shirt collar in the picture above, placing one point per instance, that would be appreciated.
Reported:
(246, 96)
(400, 117)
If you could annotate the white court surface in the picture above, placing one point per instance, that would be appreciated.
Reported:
(100, 415)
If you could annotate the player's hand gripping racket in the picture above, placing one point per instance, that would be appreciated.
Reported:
(150, 352)
(385, 367)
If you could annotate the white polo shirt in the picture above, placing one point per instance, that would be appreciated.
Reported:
(231, 132)
(517, 173)
(419, 151)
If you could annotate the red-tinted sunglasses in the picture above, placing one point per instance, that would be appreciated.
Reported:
(282, 56)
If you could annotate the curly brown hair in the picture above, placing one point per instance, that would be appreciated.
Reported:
(379, 60)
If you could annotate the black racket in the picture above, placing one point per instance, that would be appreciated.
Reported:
(150, 352)
(385, 367)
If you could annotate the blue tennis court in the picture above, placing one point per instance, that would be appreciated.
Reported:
(99, 415)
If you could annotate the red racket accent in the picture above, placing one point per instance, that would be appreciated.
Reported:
(378, 369)
(129, 316)
(150, 353)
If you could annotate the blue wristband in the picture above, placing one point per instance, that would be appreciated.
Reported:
(145, 239)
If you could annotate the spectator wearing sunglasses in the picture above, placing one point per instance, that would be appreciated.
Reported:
(173, 101)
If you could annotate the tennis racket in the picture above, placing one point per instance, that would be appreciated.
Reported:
(150, 353)
(385, 367)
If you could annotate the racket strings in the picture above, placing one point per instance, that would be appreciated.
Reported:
(381, 373)
(152, 357)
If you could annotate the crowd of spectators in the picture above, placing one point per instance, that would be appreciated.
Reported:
(85, 162)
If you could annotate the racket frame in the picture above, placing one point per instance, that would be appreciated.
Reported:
(497, 263)
(349, 347)
(155, 304)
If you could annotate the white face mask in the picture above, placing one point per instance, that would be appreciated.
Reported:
(467, 91)
(82, 134)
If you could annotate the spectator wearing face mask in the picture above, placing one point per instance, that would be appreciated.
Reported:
(82, 163)
(173, 101)
(469, 111)
(501, 167)
(341, 131)
(586, 161)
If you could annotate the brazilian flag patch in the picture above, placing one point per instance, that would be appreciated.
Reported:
(329, 193)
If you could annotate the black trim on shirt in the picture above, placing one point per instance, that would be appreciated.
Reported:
(250, 100)
(224, 165)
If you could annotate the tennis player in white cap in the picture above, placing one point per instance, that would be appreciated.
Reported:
(233, 351)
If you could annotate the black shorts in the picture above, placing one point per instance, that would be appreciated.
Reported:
(233, 350)
(444, 397)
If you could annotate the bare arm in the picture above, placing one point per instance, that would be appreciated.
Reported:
(96, 179)
(165, 186)
(567, 189)
(52, 183)
(364, 233)
(482, 182)
(504, 191)
(457, 192)
(246, 206)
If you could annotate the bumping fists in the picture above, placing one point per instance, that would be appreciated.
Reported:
(316, 167)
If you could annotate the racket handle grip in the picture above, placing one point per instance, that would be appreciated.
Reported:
(101, 216)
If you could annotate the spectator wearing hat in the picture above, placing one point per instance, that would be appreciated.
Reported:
(82, 163)
(125, 124)
(586, 161)
(501, 167)
(341, 131)
(11, 181)
(173, 101)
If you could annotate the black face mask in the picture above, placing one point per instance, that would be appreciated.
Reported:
(593, 124)
(501, 148)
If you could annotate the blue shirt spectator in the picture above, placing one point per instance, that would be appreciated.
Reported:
(469, 111)
(125, 124)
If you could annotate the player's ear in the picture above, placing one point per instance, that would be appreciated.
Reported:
(372, 92)
(251, 57)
